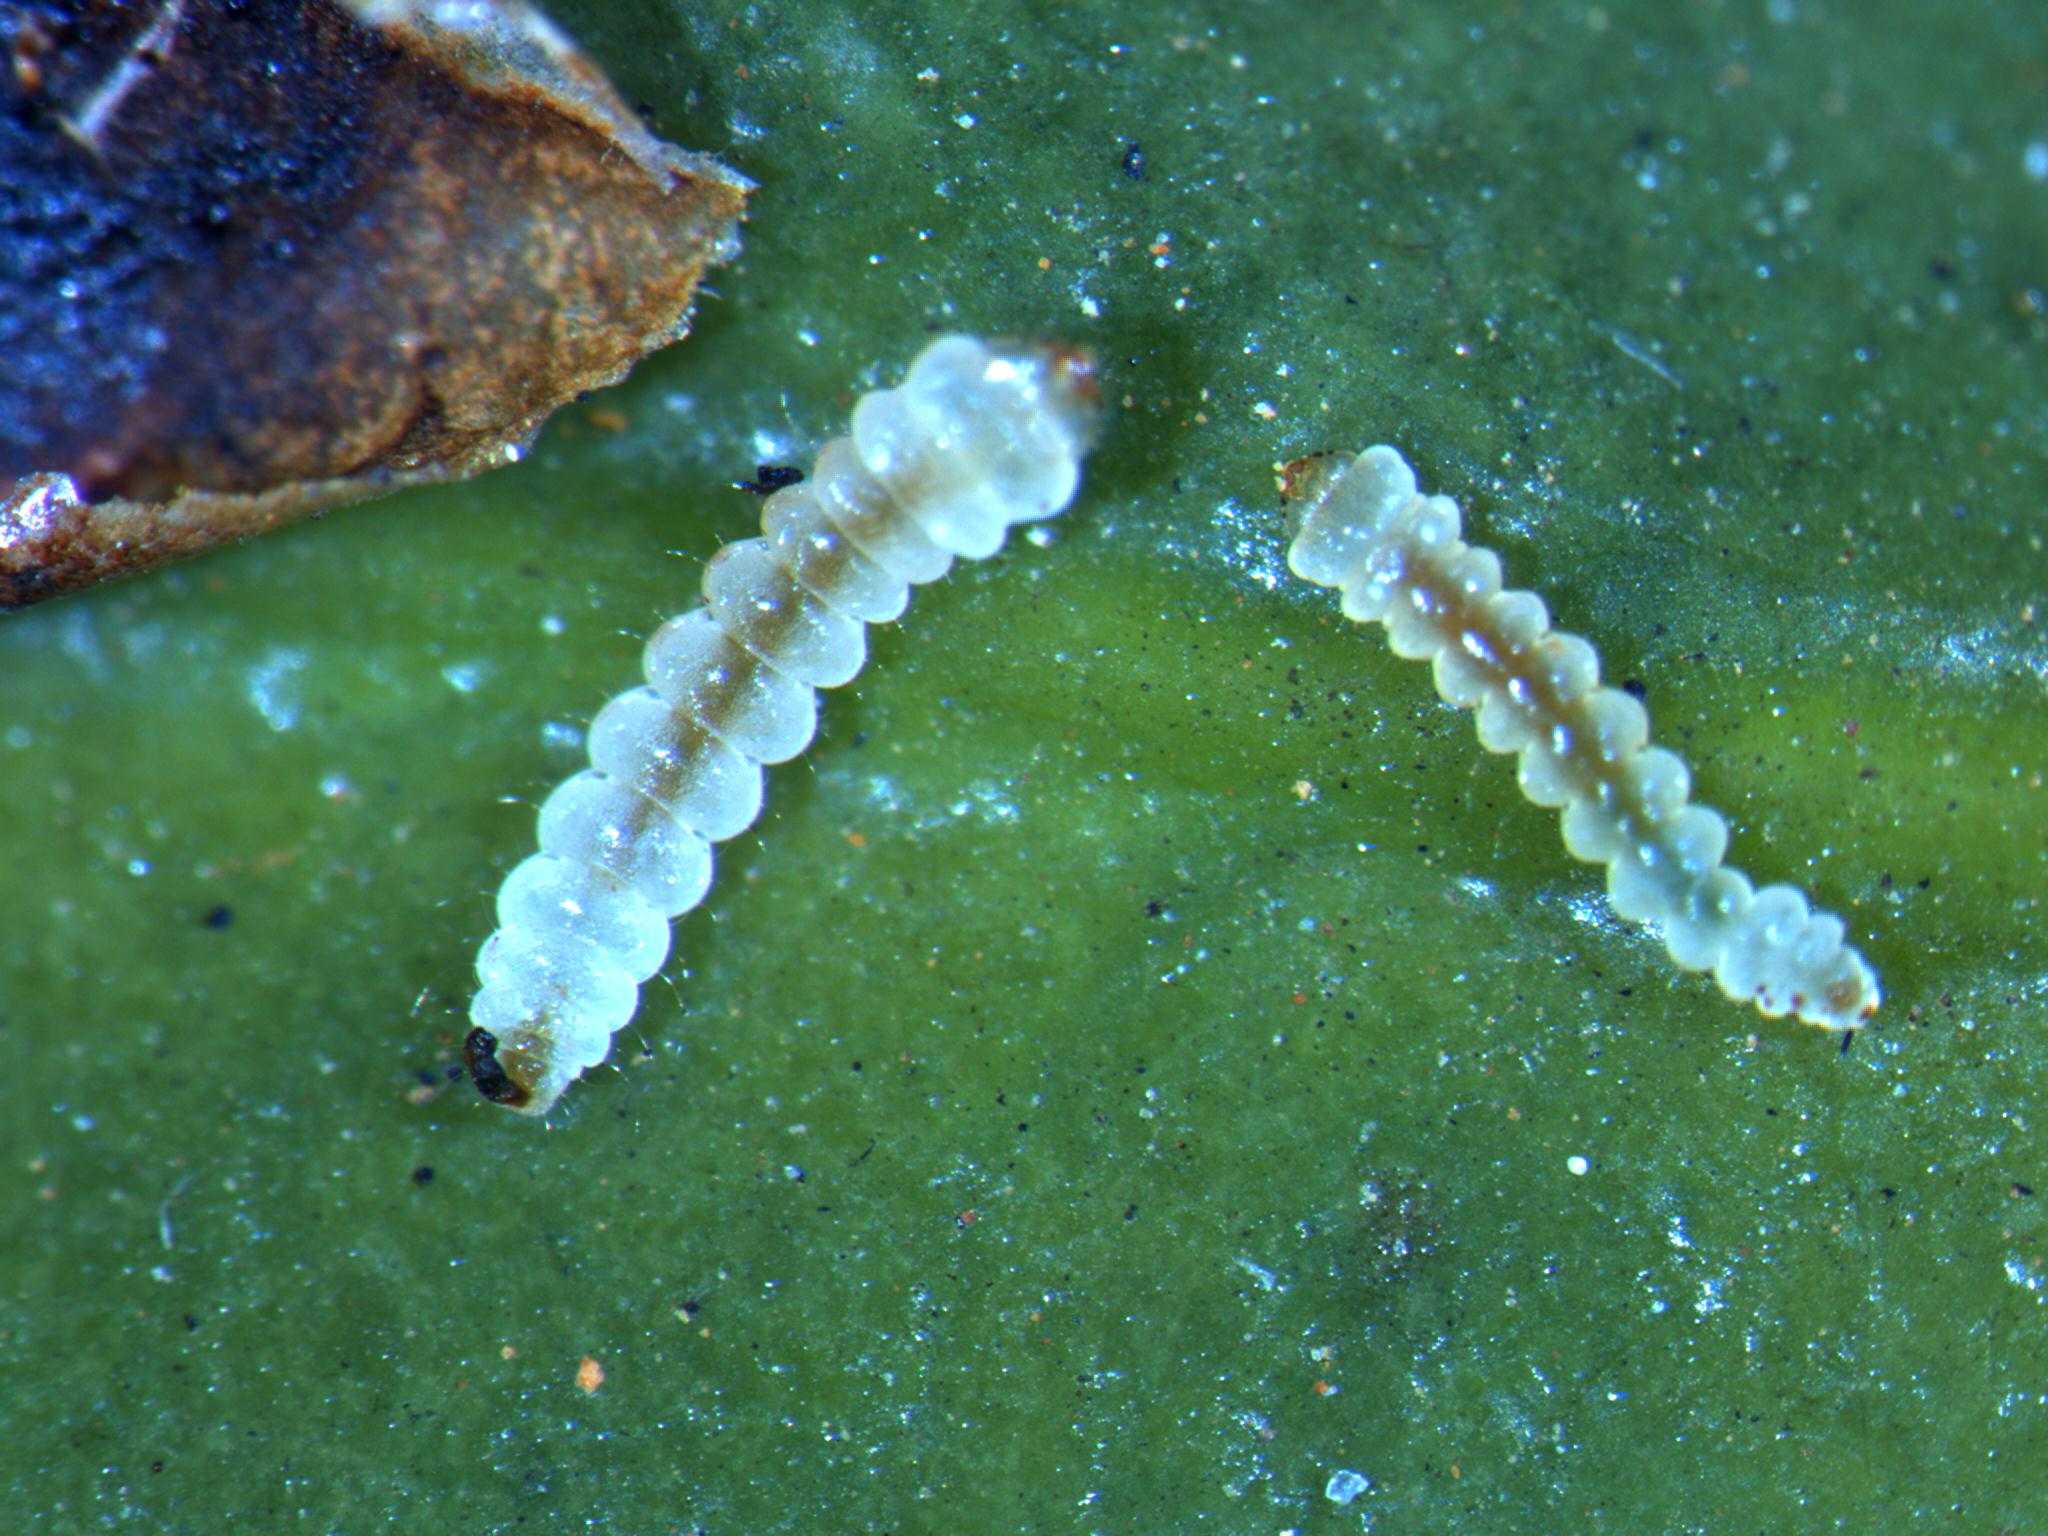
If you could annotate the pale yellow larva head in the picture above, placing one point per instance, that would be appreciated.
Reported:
(1063, 386)
(1303, 484)
(1073, 387)
(1337, 508)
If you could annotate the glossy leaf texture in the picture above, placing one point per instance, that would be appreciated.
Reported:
(1147, 1061)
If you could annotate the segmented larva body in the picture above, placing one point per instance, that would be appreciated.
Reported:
(1396, 557)
(979, 436)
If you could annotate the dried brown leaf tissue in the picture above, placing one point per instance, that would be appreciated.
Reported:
(259, 259)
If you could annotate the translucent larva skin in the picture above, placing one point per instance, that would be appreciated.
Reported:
(1396, 559)
(978, 437)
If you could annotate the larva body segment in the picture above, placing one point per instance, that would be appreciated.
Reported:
(1396, 558)
(978, 437)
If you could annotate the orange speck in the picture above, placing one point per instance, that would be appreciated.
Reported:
(967, 1218)
(609, 419)
(857, 839)
(589, 1375)
(508, 1353)
(1045, 263)
(1322, 1389)
(1300, 998)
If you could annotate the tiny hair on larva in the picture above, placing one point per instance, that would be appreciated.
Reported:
(979, 436)
(1396, 559)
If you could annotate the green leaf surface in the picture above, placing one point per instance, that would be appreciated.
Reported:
(1135, 1069)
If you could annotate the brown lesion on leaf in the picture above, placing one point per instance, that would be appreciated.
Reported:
(265, 259)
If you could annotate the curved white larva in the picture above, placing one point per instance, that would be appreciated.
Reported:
(1396, 558)
(978, 436)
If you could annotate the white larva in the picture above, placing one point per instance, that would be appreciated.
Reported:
(978, 436)
(1396, 557)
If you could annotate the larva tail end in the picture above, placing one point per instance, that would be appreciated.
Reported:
(507, 1074)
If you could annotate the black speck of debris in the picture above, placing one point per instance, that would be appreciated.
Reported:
(1635, 688)
(1134, 161)
(423, 1174)
(219, 917)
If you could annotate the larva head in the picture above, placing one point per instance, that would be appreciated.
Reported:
(1304, 482)
(512, 1073)
(1048, 407)
(1337, 511)
(1071, 384)
(1058, 392)
(1849, 997)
